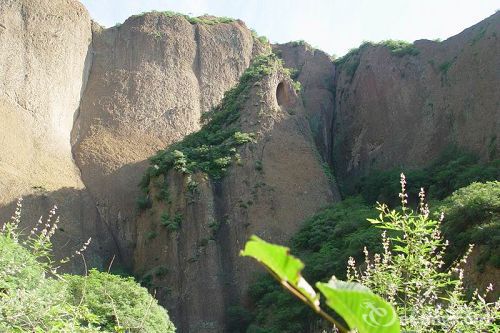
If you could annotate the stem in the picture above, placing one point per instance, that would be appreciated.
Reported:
(111, 263)
(304, 299)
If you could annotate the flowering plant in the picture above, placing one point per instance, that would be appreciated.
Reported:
(410, 274)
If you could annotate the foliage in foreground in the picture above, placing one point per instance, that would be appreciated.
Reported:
(352, 301)
(324, 243)
(330, 237)
(35, 298)
(411, 274)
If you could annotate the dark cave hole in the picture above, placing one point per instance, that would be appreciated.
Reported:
(281, 94)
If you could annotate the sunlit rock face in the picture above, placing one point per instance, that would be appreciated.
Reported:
(393, 110)
(44, 64)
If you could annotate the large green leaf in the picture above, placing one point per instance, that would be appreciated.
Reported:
(285, 267)
(359, 307)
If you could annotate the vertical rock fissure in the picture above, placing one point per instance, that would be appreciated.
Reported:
(331, 140)
(224, 247)
(74, 138)
(197, 65)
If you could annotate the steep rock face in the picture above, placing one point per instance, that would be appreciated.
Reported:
(43, 68)
(151, 79)
(279, 182)
(395, 110)
(315, 71)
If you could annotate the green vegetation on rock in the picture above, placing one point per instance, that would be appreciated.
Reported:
(213, 148)
(445, 66)
(452, 170)
(172, 223)
(398, 48)
(204, 19)
(262, 39)
(480, 35)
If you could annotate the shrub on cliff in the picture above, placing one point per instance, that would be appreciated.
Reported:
(35, 298)
(452, 170)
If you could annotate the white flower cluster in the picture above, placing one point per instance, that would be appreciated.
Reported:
(39, 240)
(410, 275)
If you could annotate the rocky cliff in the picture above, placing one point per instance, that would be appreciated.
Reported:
(401, 105)
(151, 79)
(189, 240)
(44, 64)
(82, 108)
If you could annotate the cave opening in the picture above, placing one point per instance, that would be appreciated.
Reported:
(281, 94)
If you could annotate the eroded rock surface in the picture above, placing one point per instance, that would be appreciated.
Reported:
(395, 110)
(315, 71)
(151, 80)
(279, 182)
(43, 69)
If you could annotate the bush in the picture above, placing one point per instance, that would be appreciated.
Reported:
(400, 48)
(262, 39)
(205, 19)
(410, 274)
(445, 66)
(35, 298)
(238, 319)
(117, 302)
(171, 223)
(472, 215)
(330, 237)
(144, 202)
(20, 269)
(449, 172)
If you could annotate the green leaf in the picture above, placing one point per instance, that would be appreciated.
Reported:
(285, 267)
(359, 307)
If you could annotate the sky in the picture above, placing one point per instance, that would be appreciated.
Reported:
(334, 26)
